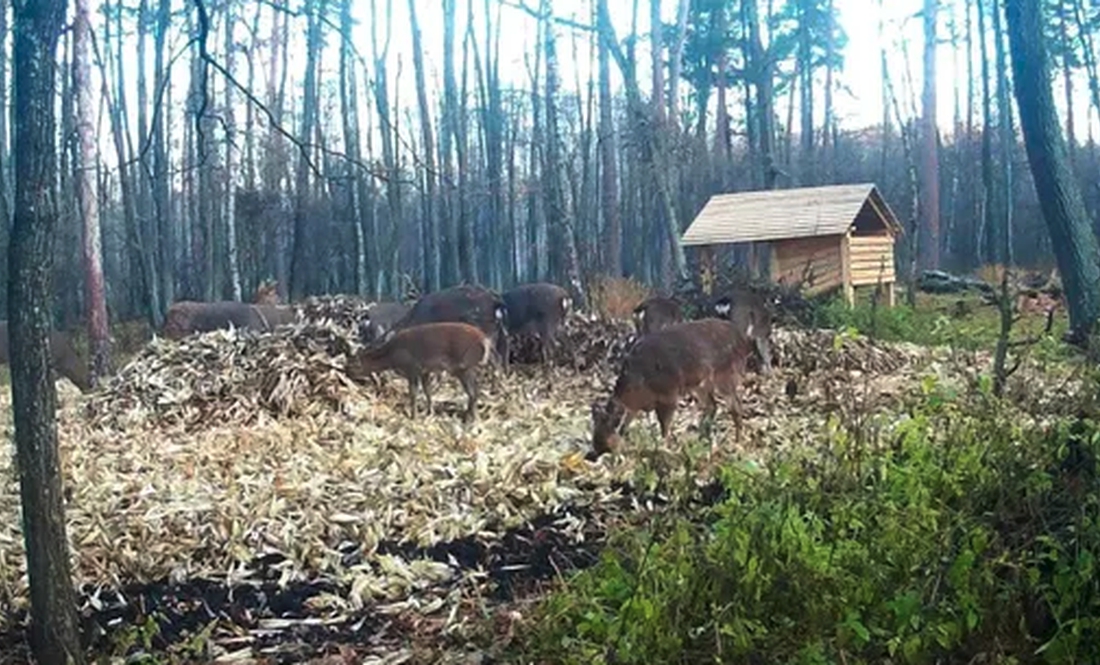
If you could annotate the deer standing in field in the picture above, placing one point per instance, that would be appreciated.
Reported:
(465, 303)
(656, 313)
(697, 357)
(419, 351)
(537, 309)
(64, 358)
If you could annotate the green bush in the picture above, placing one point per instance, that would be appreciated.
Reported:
(949, 533)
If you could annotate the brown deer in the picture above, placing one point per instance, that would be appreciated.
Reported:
(465, 303)
(656, 313)
(696, 357)
(418, 351)
(380, 321)
(186, 317)
(537, 309)
(748, 311)
(64, 358)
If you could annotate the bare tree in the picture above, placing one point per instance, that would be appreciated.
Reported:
(84, 167)
(54, 633)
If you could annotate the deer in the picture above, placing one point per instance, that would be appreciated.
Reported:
(64, 358)
(749, 312)
(537, 309)
(465, 303)
(186, 317)
(380, 321)
(695, 357)
(419, 351)
(656, 313)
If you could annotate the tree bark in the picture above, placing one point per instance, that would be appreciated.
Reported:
(1060, 199)
(229, 209)
(301, 268)
(54, 633)
(609, 176)
(930, 168)
(84, 168)
(430, 226)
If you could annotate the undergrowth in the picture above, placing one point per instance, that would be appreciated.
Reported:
(961, 322)
(949, 535)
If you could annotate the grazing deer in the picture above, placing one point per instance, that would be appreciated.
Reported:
(537, 309)
(418, 351)
(465, 303)
(696, 357)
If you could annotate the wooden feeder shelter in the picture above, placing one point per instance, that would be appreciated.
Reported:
(820, 238)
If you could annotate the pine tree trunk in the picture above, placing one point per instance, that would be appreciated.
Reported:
(54, 633)
(1075, 246)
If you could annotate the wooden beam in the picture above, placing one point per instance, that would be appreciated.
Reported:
(846, 269)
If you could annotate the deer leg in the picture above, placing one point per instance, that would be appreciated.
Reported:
(469, 383)
(413, 381)
(665, 411)
(425, 382)
(763, 347)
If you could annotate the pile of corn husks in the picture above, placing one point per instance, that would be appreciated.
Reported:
(204, 454)
(228, 377)
(343, 311)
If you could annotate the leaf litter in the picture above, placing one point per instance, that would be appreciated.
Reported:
(242, 481)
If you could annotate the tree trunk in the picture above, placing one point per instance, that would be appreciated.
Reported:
(430, 226)
(609, 176)
(229, 209)
(84, 165)
(1007, 136)
(162, 241)
(930, 168)
(1075, 246)
(676, 61)
(657, 65)
(988, 218)
(54, 633)
(349, 104)
(302, 259)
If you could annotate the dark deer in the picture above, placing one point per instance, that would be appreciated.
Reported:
(186, 317)
(537, 309)
(696, 357)
(748, 311)
(380, 321)
(64, 358)
(474, 305)
(418, 351)
(656, 313)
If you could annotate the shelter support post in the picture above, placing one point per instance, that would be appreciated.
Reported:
(706, 268)
(846, 268)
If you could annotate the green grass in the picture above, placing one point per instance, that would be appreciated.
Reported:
(960, 321)
(946, 534)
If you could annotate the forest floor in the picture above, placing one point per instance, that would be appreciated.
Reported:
(234, 498)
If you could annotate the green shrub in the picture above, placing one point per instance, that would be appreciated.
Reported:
(949, 533)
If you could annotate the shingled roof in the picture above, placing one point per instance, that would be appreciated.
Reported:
(786, 213)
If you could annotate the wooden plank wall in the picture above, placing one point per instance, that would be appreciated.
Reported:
(821, 255)
(871, 259)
